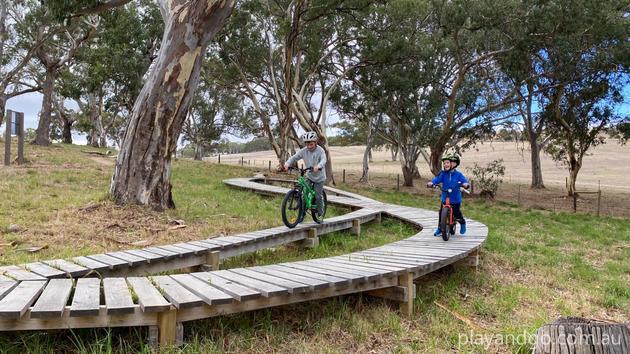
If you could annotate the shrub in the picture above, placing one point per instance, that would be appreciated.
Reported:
(489, 177)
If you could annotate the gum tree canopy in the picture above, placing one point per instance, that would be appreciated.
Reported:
(143, 170)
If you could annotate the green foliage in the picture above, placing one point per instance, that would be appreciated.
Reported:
(488, 178)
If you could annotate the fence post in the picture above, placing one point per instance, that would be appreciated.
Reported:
(242, 161)
(574, 202)
(599, 195)
(269, 165)
(7, 138)
(219, 159)
(344, 176)
(472, 187)
(20, 133)
(519, 195)
(398, 181)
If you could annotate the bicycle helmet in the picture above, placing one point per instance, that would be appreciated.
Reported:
(447, 156)
(455, 158)
(309, 136)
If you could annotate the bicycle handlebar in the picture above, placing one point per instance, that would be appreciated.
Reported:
(465, 190)
(302, 170)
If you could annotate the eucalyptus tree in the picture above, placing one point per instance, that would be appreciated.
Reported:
(14, 56)
(469, 39)
(287, 58)
(143, 169)
(55, 44)
(586, 68)
(215, 111)
(108, 74)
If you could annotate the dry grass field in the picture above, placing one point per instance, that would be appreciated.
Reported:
(608, 165)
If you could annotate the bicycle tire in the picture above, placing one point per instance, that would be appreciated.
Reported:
(444, 226)
(291, 204)
(316, 217)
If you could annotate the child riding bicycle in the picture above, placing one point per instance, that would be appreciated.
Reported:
(314, 156)
(451, 179)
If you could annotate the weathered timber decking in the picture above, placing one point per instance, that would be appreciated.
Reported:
(39, 295)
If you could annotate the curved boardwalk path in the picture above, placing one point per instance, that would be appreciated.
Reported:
(61, 294)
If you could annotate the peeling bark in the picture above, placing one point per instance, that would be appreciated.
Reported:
(143, 170)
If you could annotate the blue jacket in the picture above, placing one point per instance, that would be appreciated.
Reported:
(450, 179)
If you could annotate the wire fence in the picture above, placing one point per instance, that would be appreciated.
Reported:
(593, 202)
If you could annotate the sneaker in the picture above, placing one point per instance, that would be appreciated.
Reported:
(437, 232)
(462, 229)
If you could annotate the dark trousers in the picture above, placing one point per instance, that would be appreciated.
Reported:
(457, 213)
(318, 187)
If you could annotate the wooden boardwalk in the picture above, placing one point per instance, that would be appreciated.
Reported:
(60, 294)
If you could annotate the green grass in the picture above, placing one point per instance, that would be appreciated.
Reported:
(536, 265)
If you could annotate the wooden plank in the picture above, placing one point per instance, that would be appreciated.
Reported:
(92, 264)
(369, 275)
(44, 270)
(331, 280)
(15, 303)
(6, 286)
(117, 296)
(179, 296)
(293, 286)
(86, 299)
(386, 268)
(195, 249)
(182, 252)
(314, 284)
(266, 289)
(162, 252)
(74, 270)
(113, 262)
(209, 294)
(397, 261)
(3, 278)
(53, 300)
(237, 291)
(353, 278)
(131, 259)
(149, 298)
(210, 247)
(20, 274)
(149, 256)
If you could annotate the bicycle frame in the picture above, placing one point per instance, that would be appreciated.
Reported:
(307, 192)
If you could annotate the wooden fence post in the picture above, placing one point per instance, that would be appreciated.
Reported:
(7, 138)
(20, 133)
(219, 159)
(472, 186)
(269, 165)
(574, 201)
(599, 196)
(398, 181)
(242, 161)
(519, 195)
(344, 176)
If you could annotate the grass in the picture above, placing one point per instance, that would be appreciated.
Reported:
(537, 265)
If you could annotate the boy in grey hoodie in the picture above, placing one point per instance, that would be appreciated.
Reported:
(314, 156)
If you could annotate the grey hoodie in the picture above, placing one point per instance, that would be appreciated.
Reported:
(312, 159)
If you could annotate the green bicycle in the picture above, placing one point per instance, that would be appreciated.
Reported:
(299, 200)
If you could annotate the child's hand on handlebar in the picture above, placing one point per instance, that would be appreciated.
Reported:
(286, 167)
(466, 185)
(315, 169)
(429, 185)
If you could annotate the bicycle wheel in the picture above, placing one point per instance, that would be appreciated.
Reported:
(292, 208)
(316, 217)
(444, 226)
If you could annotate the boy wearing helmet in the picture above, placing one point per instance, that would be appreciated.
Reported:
(314, 156)
(450, 179)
